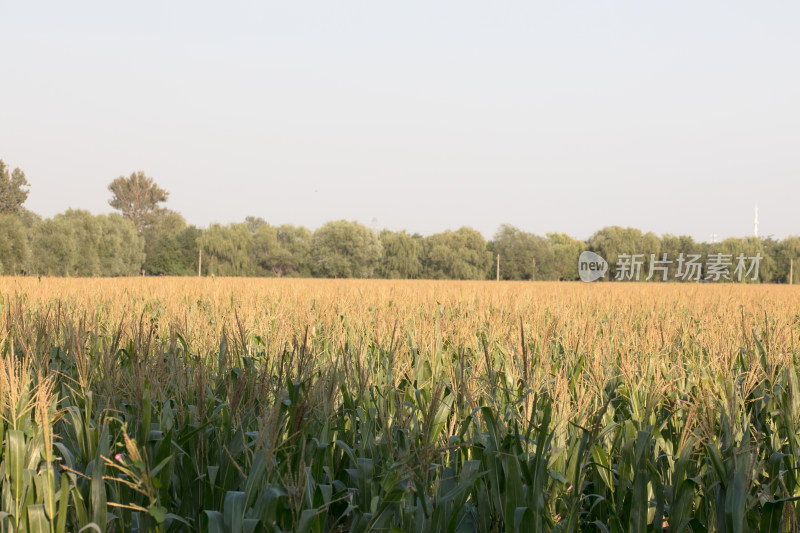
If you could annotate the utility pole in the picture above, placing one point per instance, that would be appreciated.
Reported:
(200, 263)
(498, 267)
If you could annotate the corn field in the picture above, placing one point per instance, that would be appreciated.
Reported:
(274, 405)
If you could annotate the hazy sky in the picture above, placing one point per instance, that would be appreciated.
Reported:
(674, 117)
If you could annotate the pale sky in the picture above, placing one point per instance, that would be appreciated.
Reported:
(673, 117)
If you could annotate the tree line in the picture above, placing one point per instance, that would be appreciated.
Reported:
(145, 237)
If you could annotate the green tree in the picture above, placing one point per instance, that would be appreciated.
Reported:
(53, 248)
(265, 249)
(401, 255)
(673, 246)
(279, 251)
(345, 249)
(228, 249)
(13, 245)
(612, 241)
(13, 190)
(566, 251)
(294, 251)
(253, 223)
(460, 254)
(176, 255)
(748, 247)
(84, 229)
(120, 249)
(77, 243)
(160, 242)
(188, 245)
(782, 254)
(523, 256)
(137, 197)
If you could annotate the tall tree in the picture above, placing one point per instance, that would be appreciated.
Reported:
(138, 198)
(294, 257)
(522, 255)
(345, 249)
(460, 254)
(786, 257)
(566, 251)
(13, 245)
(612, 241)
(13, 190)
(228, 249)
(748, 247)
(674, 246)
(279, 251)
(77, 243)
(175, 254)
(401, 255)
(160, 234)
(265, 248)
(53, 247)
(120, 249)
(253, 223)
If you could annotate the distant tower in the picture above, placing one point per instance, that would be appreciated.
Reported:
(755, 223)
(713, 238)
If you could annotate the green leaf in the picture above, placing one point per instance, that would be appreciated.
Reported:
(158, 512)
(16, 461)
(37, 520)
(233, 511)
(215, 523)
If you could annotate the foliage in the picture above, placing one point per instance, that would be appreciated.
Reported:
(460, 254)
(137, 197)
(13, 190)
(13, 245)
(294, 251)
(748, 247)
(523, 256)
(675, 245)
(611, 241)
(345, 249)
(120, 250)
(401, 255)
(280, 250)
(77, 243)
(228, 250)
(168, 245)
(783, 253)
(268, 255)
(565, 251)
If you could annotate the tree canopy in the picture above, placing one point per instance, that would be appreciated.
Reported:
(151, 239)
(525, 256)
(565, 250)
(77, 243)
(13, 245)
(228, 249)
(460, 254)
(402, 255)
(13, 190)
(345, 249)
(137, 197)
